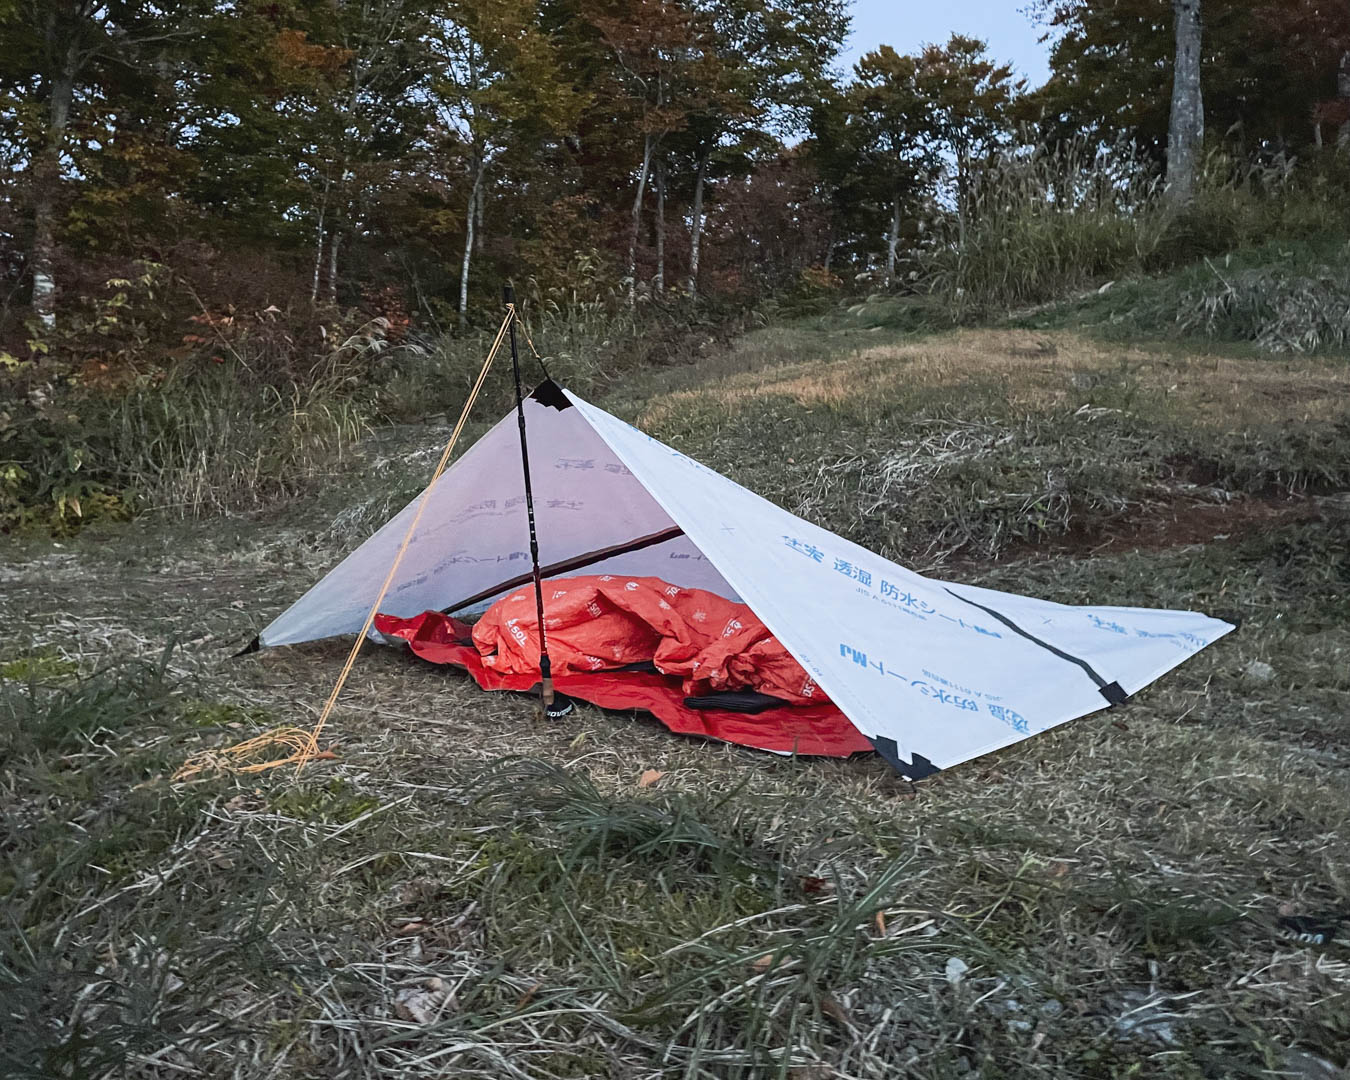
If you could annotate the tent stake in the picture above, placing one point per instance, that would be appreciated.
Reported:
(554, 705)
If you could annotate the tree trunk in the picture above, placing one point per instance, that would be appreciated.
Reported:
(478, 231)
(962, 196)
(660, 227)
(637, 220)
(1186, 132)
(334, 239)
(892, 242)
(470, 220)
(696, 229)
(1343, 93)
(318, 249)
(46, 186)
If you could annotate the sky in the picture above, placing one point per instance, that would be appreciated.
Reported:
(907, 24)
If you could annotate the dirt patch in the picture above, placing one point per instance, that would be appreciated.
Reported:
(1160, 526)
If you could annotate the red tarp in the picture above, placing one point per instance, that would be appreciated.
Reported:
(701, 641)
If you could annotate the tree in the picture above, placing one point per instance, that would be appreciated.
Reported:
(1186, 131)
(892, 116)
(768, 68)
(374, 115)
(499, 89)
(1267, 65)
(653, 45)
(969, 100)
(54, 48)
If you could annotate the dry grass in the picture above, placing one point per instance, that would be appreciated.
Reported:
(977, 443)
(1038, 370)
(433, 905)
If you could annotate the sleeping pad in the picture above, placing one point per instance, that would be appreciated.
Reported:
(692, 643)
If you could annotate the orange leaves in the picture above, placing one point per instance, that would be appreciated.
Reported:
(649, 777)
(298, 56)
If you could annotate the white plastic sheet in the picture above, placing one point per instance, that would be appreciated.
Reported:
(936, 673)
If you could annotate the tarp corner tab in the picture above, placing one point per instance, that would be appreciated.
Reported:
(551, 395)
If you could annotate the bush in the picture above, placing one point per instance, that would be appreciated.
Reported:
(146, 398)
(1279, 297)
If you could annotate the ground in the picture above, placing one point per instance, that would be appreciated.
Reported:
(467, 890)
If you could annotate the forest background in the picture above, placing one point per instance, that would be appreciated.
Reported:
(240, 231)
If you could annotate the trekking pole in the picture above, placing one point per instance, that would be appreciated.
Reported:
(554, 704)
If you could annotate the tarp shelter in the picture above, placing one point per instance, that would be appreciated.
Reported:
(932, 673)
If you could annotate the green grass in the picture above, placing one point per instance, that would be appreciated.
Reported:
(553, 916)
(1281, 297)
(918, 449)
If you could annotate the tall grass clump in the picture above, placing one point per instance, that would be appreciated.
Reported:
(590, 341)
(1278, 308)
(201, 446)
(1043, 222)
(189, 440)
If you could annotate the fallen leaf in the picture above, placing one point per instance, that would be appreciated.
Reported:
(835, 1011)
(528, 996)
(762, 963)
(408, 929)
(817, 886)
(1058, 869)
(879, 921)
(649, 777)
(417, 1006)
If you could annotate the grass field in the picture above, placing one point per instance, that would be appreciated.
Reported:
(467, 891)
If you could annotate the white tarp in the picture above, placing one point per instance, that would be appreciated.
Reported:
(927, 665)
(944, 672)
(474, 532)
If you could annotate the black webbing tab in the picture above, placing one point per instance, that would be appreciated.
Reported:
(890, 753)
(252, 647)
(1114, 693)
(550, 394)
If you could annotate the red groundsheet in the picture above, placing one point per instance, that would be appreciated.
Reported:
(703, 641)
